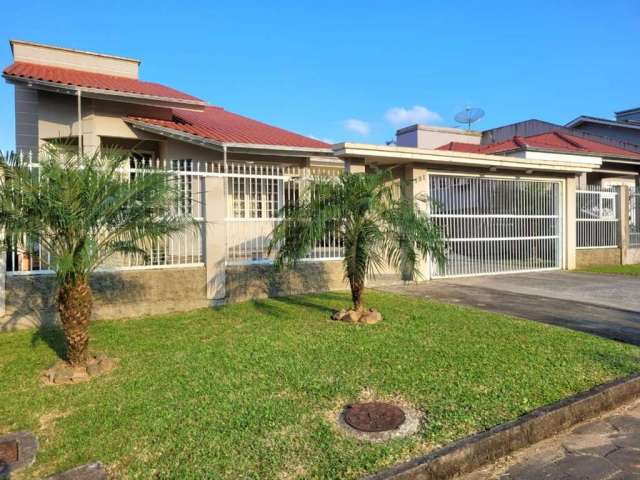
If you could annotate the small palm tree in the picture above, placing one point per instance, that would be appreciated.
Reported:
(82, 210)
(375, 225)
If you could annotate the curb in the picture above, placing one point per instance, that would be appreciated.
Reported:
(471, 453)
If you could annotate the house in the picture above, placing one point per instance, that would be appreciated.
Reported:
(621, 165)
(236, 173)
(524, 203)
(617, 165)
(625, 129)
(509, 206)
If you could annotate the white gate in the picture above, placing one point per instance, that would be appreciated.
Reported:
(497, 225)
(597, 217)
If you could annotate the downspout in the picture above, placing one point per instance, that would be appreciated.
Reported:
(80, 133)
(224, 157)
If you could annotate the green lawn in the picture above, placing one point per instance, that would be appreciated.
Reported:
(250, 390)
(615, 269)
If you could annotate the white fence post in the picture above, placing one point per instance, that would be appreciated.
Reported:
(570, 223)
(623, 224)
(418, 191)
(215, 236)
(3, 275)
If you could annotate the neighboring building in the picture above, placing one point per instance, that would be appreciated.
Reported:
(618, 166)
(622, 135)
(430, 137)
(625, 129)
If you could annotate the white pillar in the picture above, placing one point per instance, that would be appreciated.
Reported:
(417, 190)
(623, 222)
(3, 276)
(215, 237)
(355, 165)
(570, 223)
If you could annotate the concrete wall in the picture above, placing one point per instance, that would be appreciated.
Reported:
(425, 136)
(245, 282)
(590, 257)
(76, 59)
(57, 117)
(30, 298)
(632, 256)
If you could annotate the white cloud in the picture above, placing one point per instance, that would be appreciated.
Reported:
(401, 117)
(358, 126)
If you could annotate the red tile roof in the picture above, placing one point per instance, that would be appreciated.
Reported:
(550, 141)
(79, 78)
(217, 124)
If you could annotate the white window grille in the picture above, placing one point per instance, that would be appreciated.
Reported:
(597, 217)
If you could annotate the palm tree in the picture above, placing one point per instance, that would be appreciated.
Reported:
(83, 210)
(375, 225)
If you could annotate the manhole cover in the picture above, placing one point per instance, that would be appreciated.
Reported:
(8, 452)
(374, 416)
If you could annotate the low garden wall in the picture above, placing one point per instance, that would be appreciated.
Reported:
(631, 256)
(589, 257)
(131, 293)
(245, 282)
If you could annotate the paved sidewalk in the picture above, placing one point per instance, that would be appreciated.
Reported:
(607, 448)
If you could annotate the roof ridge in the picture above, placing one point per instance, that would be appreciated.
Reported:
(569, 139)
(519, 141)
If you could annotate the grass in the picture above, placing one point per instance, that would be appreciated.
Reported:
(633, 270)
(250, 390)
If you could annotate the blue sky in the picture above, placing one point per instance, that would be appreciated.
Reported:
(357, 70)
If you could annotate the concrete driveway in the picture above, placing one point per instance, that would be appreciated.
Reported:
(605, 305)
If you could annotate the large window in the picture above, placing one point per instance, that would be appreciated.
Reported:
(254, 197)
(185, 185)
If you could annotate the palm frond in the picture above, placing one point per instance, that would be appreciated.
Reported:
(83, 209)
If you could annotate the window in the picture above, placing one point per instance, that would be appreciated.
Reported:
(254, 197)
(608, 206)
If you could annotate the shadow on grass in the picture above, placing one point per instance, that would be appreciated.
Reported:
(53, 336)
(278, 307)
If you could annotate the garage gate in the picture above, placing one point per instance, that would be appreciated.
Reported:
(496, 225)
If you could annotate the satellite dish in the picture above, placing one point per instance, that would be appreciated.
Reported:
(469, 115)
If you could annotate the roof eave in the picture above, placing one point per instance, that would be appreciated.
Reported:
(238, 147)
(585, 153)
(601, 121)
(113, 95)
(372, 152)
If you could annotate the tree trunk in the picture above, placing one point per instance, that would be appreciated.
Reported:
(357, 287)
(75, 302)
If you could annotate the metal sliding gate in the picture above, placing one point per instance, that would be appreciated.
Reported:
(497, 225)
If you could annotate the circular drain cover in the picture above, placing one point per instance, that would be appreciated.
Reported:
(374, 416)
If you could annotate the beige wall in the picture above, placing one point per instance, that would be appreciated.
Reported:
(589, 257)
(632, 256)
(74, 59)
(431, 137)
(57, 116)
(30, 298)
(246, 282)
